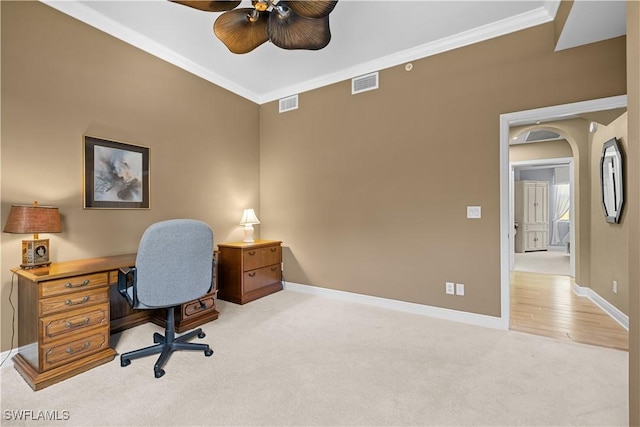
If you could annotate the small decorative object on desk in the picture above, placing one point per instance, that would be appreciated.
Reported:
(27, 219)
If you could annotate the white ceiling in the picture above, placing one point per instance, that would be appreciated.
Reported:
(366, 36)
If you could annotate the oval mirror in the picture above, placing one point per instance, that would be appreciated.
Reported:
(611, 179)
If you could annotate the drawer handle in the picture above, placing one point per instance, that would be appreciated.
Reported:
(252, 274)
(82, 301)
(70, 325)
(84, 347)
(252, 253)
(274, 268)
(70, 285)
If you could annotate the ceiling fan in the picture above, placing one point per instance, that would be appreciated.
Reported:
(302, 24)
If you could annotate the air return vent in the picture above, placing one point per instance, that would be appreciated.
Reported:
(542, 135)
(289, 103)
(364, 83)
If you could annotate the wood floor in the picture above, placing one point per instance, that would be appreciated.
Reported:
(545, 304)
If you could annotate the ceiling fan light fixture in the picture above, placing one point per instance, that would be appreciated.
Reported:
(242, 30)
(288, 24)
(297, 32)
(261, 5)
(209, 6)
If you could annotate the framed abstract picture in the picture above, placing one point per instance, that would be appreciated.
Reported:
(116, 175)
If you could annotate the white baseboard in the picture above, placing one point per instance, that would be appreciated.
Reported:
(408, 307)
(605, 305)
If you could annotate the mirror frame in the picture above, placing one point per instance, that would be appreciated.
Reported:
(619, 198)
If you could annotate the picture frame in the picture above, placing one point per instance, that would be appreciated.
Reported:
(115, 174)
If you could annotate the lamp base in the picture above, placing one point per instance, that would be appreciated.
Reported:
(248, 234)
(35, 265)
(35, 253)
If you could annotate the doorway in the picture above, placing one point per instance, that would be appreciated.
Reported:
(559, 256)
(506, 224)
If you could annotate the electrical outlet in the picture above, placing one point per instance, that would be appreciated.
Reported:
(449, 288)
(615, 286)
(460, 289)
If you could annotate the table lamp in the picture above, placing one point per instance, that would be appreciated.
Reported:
(248, 219)
(26, 219)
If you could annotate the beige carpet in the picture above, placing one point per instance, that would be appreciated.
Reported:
(547, 262)
(298, 359)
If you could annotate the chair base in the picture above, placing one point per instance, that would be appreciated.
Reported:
(167, 344)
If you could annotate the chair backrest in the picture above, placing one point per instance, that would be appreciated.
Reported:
(174, 262)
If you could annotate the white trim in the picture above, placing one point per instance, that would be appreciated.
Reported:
(605, 305)
(97, 20)
(520, 22)
(495, 29)
(528, 117)
(407, 307)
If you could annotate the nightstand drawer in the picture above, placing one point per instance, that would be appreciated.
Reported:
(56, 326)
(261, 277)
(259, 257)
(72, 301)
(72, 284)
(61, 352)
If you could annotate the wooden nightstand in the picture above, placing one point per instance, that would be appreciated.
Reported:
(248, 271)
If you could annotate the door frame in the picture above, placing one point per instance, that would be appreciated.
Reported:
(523, 118)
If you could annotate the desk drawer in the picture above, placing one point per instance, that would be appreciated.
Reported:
(60, 352)
(261, 277)
(72, 301)
(72, 284)
(256, 258)
(73, 322)
(194, 308)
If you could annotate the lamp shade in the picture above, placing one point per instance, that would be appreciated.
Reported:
(249, 217)
(25, 219)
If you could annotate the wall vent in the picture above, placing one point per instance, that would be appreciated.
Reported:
(364, 83)
(289, 103)
(542, 135)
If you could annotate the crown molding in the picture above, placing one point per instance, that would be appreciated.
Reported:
(520, 22)
(89, 16)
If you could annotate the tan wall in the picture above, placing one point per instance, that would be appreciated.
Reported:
(369, 192)
(609, 242)
(540, 151)
(62, 78)
(633, 213)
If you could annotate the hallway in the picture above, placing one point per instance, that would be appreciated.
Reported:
(545, 304)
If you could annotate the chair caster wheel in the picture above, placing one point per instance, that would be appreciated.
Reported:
(201, 335)
(158, 372)
(208, 352)
(125, 362)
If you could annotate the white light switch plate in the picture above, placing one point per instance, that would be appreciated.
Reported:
(474, 212)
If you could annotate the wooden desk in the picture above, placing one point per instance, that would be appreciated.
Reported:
(67, 311)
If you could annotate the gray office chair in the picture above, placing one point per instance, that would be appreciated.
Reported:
(173, 266)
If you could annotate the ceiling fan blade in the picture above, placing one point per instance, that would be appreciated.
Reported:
(296, 32)
(209, 6)
(311, 8)
(239, 32)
